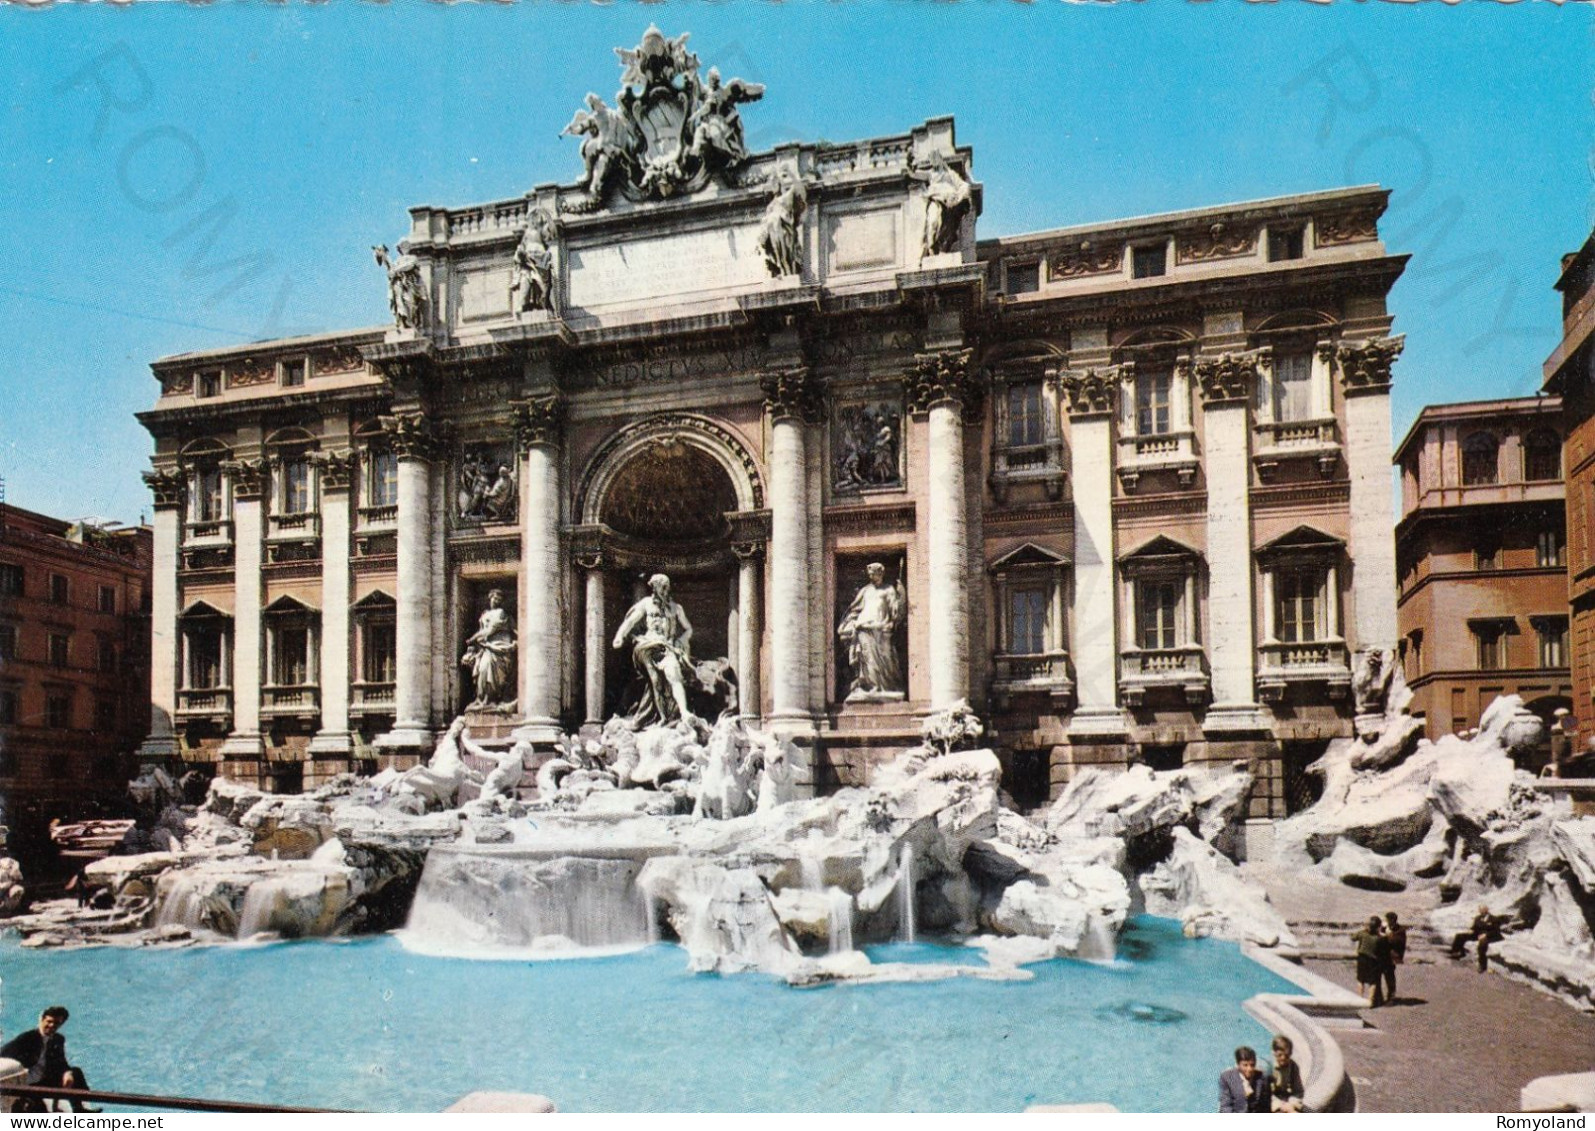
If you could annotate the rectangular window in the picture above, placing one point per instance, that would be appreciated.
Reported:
(1293, 387)
(8, 641)
(105, 715)
(1157, 607)
(107, 599)
(293, 372)
(1553, 643)
(205, 658)
(207, 500)
(1549, 549)
(8, 707)
(59, 651)
(10, 580)
(1026, 422)
(60, 592)
(1487, 557)
(1152, 402)
(208, 384)
(58, 711)
(1024, 278)
(384, 479)
(1491, 647)
(378, 650)
(1149, 262)
(290, 662)
(107, 657)
(1027, 620)
(1296, 594)
(1284, 244)
(296, 487)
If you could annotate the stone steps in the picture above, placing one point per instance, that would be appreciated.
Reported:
(1328, 938)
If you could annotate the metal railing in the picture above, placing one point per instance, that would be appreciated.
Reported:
(170, 1103)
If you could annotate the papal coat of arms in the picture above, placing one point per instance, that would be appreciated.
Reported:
(670, 130)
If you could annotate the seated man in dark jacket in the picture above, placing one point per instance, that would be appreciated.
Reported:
(1244, 1088)
(42, 1052)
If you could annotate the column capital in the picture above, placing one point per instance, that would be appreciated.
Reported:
(248, 476)
(337, 469)
(945, 377)
(1365, 365)
(538, 421)
(167, 487)
(793, 394)
(1229, 378)
(1095, 391)
(412, 435)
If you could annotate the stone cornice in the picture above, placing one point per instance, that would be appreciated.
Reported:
(793, 394)
(337, 469)
(1365, 365)
(1093, 391)
(297, 405)
(893, 517)
(1183, 503)
(945, 377)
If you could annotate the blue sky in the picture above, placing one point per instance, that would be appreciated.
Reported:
(142, 146)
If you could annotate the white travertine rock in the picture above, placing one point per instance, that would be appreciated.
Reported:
(502, 1103)
(1141, 802)
(1564, 926)
(12, 892)
(1206, 892)
(1574, 841)
(1511, 725)
(290, 828)
(245, 896)
(723, 915)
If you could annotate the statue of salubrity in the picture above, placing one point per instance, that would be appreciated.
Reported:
(869, 629)
(490, 657)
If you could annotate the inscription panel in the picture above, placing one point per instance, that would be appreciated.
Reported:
(483, 293)
(862, 241)
(633, 270)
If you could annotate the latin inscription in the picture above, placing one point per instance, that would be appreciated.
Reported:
(669, 265)
(691, 367)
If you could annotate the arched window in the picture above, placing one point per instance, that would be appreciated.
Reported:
(1480, 459)
(1542, 455)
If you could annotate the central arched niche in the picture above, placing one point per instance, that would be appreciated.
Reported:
(671, 493)
(667, 505)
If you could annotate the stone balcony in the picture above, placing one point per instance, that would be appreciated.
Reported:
(1312, 662)
(370, 698)
(1157, 451)
(1183, 669)
(290, 701)
(378, 518)
(1045, 673)
(1275, 441)
(206, 704)
(208, 534)
(1028, 463)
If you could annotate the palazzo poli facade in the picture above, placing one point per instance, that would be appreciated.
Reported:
(1127, 483)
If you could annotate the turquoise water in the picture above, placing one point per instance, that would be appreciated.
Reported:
(367, 1025)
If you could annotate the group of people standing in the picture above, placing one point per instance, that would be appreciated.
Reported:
(1248, 1087)
(1381, 947)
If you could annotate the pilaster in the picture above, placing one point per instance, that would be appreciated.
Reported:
(161, 744)
(244, 743)
(1365, 378)
(331, 743)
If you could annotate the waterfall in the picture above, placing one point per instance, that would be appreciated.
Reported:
(905, 895)
(474, 900)
(650, 910)
(840, 925)
(811, 863)
(180, 903)
(259, 902)
(1097, 943)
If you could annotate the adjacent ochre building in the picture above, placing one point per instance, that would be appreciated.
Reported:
(1132, 477)
(74, 666)
(1570, 372)
(1481, 552)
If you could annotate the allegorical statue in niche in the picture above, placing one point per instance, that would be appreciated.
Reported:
(406, 294)
(947, 199)
(714, 130)
(611, 144)
(869, 629)
(662, 652)
(780, 234)
(532, 273)
(490, 655)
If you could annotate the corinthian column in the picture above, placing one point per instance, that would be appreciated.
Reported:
(161, 744)
(944, 387)
(1365, 380)
(539, 423)
(244, 743)
(1091, 396)
(794, 401)
(412, 686)
(748, 628)
(1227, 384)
(594, 639)
(331, 742)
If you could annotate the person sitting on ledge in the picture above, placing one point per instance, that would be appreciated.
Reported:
(1244, 1088)
(1286, 1092)
(42, 1052)
(1486, 929)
